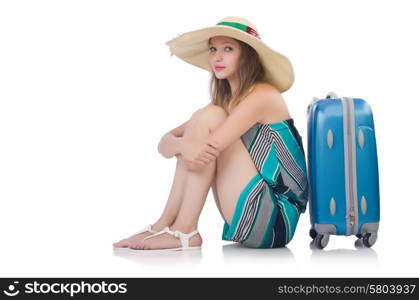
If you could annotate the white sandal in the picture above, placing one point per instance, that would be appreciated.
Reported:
(146, 229)
(184, 239)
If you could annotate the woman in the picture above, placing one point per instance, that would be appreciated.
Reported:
(243, 144)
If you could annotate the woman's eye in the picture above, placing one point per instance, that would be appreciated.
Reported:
(227, 48)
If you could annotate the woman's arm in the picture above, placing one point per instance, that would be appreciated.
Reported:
(169, 144)
(178, 131)
(249, 111)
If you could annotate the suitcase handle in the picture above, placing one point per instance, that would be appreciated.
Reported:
(311, 104)
(331, 95)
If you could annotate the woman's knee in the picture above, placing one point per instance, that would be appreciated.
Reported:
(210, 115)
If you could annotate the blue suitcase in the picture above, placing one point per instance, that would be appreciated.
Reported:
(342, 170)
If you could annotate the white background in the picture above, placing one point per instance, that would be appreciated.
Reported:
(87, 88)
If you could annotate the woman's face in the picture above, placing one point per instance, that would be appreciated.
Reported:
(224, 52)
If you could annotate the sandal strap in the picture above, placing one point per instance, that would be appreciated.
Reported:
(147, 228)
(184, 237)
(155, 234)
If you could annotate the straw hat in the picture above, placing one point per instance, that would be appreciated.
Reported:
(192, 47)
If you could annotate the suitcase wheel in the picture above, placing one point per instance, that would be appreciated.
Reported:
(367, 239)
(313, 233)
(321, 241)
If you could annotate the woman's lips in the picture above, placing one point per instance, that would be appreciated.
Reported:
(219, 68)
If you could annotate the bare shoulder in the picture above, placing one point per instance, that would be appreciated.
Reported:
(276, 108)
(266, 89)
(262, 93)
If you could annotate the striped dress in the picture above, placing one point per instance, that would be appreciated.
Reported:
(269, 207)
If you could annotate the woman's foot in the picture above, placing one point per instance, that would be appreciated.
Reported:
(134, 239)
(166, 240)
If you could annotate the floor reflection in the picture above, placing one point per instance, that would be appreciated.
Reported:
(238, 253)
(360, 254)
(156, 257)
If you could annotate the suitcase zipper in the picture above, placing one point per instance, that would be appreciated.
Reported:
(349, 120)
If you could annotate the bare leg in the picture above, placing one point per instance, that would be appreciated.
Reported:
(173, 203)
(235, 168)
(170, 211)
(197, 185)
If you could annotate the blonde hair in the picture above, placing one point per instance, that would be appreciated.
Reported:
(249, 72)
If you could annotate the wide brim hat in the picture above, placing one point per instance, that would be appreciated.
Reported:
(192, 47)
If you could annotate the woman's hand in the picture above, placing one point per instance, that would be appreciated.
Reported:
(198, 151)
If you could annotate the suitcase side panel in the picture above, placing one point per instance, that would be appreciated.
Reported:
(368, 199)
(327, 165)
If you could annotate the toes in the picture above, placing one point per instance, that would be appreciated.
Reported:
(135, 246)
(132, 246)
(142, 246)
(121, 243)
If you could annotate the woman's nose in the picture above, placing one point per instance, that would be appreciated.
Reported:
(218, 56)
